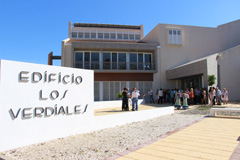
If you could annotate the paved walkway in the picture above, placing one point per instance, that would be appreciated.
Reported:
(210, 139)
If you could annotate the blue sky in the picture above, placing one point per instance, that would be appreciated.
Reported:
(30, 29)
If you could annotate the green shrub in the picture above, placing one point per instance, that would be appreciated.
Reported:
(119, 95)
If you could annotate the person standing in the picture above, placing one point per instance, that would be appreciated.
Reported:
(135, 95)
(160, 96)
(211, 94)
(172, 93)
(225, 96)
(204, 97)
(150, 94)
(218, 96)
(185, 100)
(178, 100)
(191, 96)
(125, 100)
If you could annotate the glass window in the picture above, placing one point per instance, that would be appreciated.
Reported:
(106, 61)
(106, 35)
(125, 36)
(95, 60)
(133, 61)
(114, 60)
(148, 61)
(79, 56)
(174, 32)
(78, 60)
(140, 61)
(87, 35)
(137, 37)
(119, 36)
(170, 31)
(74, 34)
(87, 60)
(178, 32)
(93, 35)
(100, 35)
(131, 36)
(113, 36)
(80, 34)
(121, 60)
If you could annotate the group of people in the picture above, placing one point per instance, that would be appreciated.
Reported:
(216, 96)
(130, 98)
(180, 97)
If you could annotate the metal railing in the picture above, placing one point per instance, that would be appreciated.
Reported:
(114, 65)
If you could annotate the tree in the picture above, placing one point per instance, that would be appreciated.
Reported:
(211, 80)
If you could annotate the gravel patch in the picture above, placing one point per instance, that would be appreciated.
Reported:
(103, 143)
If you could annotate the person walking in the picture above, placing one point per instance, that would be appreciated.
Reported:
(135, 95)
(160, 96)
(177, 100)
(225, 96)
(125, 100)
(150, 94)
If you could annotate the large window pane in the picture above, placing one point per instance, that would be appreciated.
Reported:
(100, 35)
(125, 36)
(79, 56)
(106, 61)
(119, 36)
(106, 35)
(96, 91)
(133, 61)
(113, 36)
(78, 60)
(74, 34)
(131, 36)
(114, 60)
(137, 37)
(87, 60)
(93, 35)
(80, 34)
(121, 60)
(87, 35)
(140, 61)
(148, 60)
(95, 60)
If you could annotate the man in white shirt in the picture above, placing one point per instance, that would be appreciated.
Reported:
(135, 95)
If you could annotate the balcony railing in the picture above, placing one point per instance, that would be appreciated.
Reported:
(115, 65)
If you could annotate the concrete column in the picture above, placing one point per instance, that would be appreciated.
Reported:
(128, 60)
(101, 91)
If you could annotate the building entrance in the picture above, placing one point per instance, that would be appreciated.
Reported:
(192, 82)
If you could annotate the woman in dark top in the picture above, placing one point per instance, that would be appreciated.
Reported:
(125, 100)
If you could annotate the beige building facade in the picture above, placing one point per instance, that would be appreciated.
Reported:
(170, 56)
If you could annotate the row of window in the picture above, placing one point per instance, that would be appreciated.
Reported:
(101, 35)
(174, 37)
(111, 89)
(113, 60)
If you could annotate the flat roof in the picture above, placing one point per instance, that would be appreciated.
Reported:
(95, 25)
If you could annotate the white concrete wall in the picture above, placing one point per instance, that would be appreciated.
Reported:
(20, 98)
(197, 42)
(212, 67)
(230, 72)
(110, 104)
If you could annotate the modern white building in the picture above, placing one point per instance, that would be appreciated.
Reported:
(170, 56)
